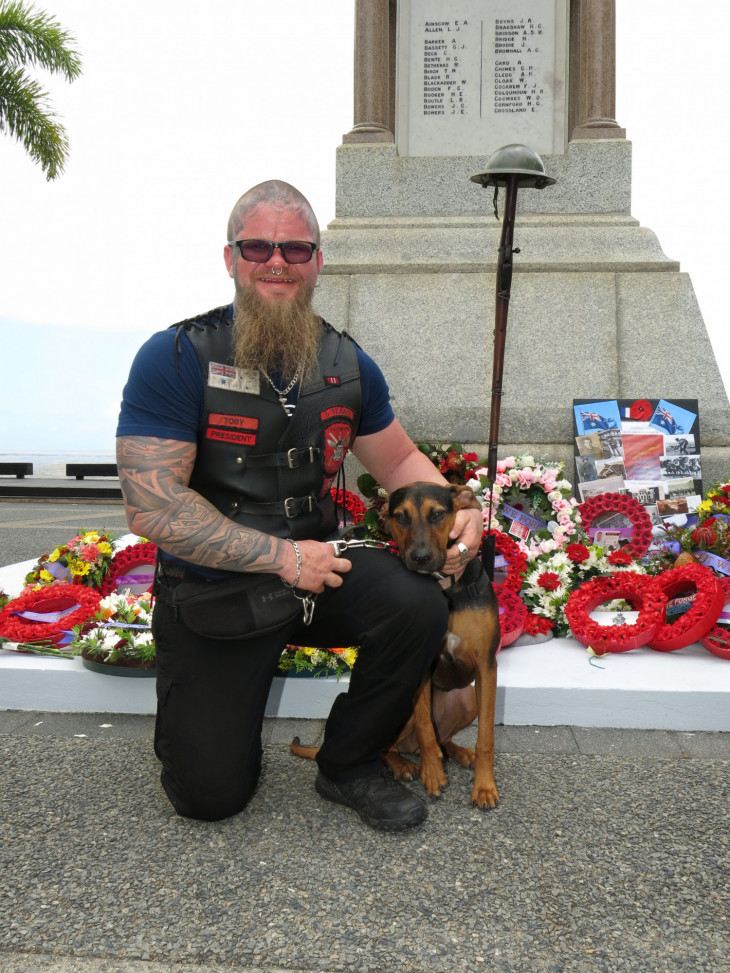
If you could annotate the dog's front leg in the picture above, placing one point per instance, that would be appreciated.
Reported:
(484, 793)
(433, 777)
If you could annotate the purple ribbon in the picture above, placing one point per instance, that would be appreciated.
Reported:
(673, 547)
(123, 579)
(532, 523)
(59, 571)
(52, 618)
(713, 561)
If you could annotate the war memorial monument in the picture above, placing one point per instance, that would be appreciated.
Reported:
(598, 311)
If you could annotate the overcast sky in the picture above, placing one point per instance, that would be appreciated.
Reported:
(180, 108)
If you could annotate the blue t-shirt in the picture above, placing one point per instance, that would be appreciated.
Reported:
(164, 397)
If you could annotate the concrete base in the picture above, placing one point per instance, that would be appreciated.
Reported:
(551, 684)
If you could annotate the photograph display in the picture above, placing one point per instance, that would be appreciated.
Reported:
(646, 448)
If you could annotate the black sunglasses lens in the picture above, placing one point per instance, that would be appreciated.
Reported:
(297, 253)
(256, 250)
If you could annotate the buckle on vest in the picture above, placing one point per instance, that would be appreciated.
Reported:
(295, 457)
(293, 506)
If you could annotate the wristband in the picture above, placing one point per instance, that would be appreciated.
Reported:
(298, 553)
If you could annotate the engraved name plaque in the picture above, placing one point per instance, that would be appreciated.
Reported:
(474, 75)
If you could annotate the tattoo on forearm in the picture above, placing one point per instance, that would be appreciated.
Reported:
(154, 476)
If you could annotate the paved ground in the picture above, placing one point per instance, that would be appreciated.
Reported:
(610, 852)
(31, 528)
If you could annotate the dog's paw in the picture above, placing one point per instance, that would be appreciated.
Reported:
(485, 797)
(433, 777)
(462, 755)
(401, 768)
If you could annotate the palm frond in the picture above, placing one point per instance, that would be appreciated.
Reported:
(25, 115)
(30, 36)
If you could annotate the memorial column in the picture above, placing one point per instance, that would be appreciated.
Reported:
(596, 62)
(372, 71)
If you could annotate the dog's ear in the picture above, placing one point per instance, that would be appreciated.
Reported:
(464, 497)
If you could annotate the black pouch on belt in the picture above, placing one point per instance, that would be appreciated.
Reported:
(245, 608)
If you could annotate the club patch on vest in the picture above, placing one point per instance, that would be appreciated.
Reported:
(337, 412)
(337, 438)
(234, 379)
(231, 436)
(232, 422)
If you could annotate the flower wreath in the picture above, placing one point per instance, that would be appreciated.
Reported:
(320, 662)
(64, 606)
(717, 640)
(620, 503)
(515, 558)
(537, 493)
(352, 503)
(119, 633)
(126, 561)
(512, 615)
(695, 623)
(638, 589)
(83, 560)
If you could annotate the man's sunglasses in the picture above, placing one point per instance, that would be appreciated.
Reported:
(259, 251)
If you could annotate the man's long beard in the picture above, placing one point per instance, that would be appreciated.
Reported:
(275, 336)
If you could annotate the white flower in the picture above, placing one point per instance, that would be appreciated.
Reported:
(526, 461)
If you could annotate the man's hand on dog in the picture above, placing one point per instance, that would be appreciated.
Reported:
(467, 531)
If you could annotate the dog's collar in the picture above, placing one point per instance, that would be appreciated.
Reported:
(470, 587)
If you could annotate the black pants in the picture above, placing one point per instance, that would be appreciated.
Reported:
(211, 695)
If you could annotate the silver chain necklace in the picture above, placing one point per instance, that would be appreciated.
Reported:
(282, 393)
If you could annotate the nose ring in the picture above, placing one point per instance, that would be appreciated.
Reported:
(277, 273)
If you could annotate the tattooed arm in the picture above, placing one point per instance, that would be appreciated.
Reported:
(154, 475)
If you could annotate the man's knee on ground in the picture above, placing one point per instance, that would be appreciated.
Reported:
(210, 798)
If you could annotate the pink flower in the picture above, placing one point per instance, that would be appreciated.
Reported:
(503, 480)
(90, 553)
(526, 478)
(504, 464)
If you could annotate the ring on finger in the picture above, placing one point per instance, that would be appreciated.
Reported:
(463, 551)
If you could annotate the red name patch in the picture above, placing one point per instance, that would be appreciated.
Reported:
(332, 379)
(336, 412)
(232, 422)
(229, 436)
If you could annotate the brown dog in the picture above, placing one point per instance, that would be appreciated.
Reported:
(419, 518)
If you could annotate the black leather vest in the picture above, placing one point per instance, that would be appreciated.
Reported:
(255, 464)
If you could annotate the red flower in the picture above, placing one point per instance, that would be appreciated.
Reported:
(549, 580)
(471, 458)
(619, 557)
(577, 553)
(452, 460)
(704, 535)
(726, 489)
(537, 624)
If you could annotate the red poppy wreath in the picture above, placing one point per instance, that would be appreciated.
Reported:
(638, 589)
(131, 568)
(352, 503)
(717, 640)
(705, 610)
(514, 558)
(512, 615)
(45, 615)
(619, 503)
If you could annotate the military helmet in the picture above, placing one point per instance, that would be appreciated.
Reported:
(514, 160)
